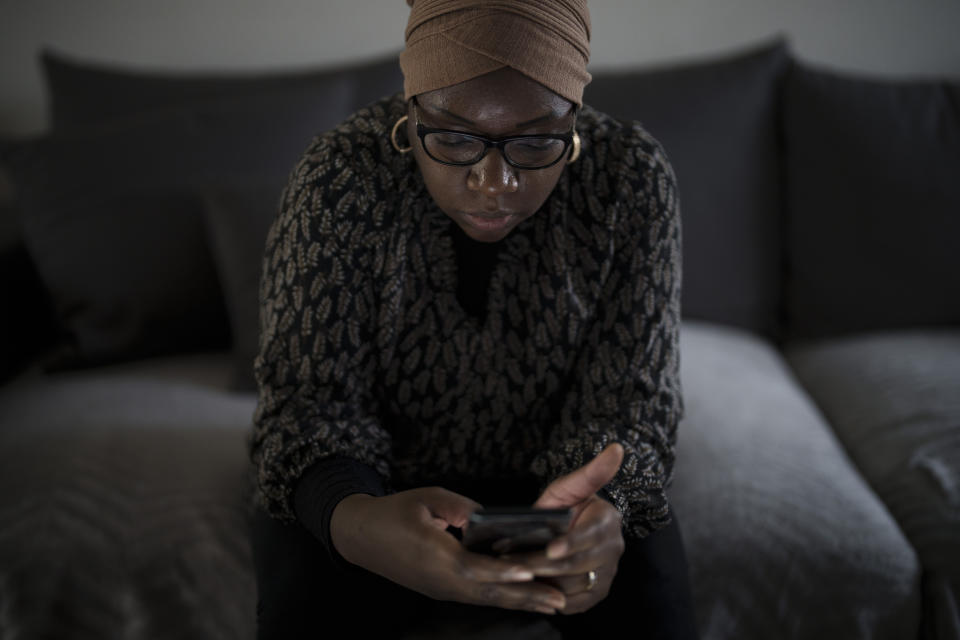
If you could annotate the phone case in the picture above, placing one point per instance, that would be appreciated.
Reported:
(514, 529)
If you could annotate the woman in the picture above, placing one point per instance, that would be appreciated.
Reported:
(471, 295)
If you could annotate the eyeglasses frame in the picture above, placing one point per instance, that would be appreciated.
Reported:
(492, 143)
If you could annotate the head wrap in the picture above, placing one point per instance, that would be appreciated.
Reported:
(451, 41)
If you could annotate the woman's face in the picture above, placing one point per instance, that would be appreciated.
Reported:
(488, 199)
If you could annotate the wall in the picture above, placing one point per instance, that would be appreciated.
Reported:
(881, 36)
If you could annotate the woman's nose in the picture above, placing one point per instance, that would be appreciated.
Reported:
(492, 175)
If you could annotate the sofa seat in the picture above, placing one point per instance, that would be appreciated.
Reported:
(122, 514)
(784, 537)
(893, 399)
(125, 495)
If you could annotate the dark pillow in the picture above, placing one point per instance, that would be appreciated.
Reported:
(718, 123)
(128, 175)
(125, 263)
(873, 197)
(237, 222)
(113, 217)
(81, 92)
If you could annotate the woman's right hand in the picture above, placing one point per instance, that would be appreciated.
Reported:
(403, 537)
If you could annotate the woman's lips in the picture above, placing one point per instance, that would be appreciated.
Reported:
(489, 221)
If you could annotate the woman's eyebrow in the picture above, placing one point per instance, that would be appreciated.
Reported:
(520, 125)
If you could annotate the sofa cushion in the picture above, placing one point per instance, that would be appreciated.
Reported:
(872, 195)
(718, 123)
(123, 511)
(125, 532)
(784, 537)
(237, 223)
(122, 262)
(112, 216)
(82, 92)
(893, 399)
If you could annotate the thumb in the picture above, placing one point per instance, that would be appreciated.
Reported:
(578, 485)
(448, 508)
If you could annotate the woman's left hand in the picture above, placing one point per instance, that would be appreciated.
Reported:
(594, 542)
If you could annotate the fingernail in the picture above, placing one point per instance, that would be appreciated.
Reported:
(546, 610)
(556, 550)
(520, 574)
(556, 602)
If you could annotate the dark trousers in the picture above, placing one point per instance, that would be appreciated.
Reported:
(302, 593)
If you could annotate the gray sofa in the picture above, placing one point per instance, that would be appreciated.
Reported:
(818, 475)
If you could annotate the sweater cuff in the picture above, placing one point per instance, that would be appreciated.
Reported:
(322, 487)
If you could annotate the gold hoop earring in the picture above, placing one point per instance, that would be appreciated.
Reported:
(576, 148)
(393, 136)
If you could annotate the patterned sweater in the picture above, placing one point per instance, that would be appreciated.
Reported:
(366, 353)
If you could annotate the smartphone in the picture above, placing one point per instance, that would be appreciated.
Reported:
(514, 529)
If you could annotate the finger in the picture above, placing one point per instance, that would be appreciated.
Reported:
(572, 565)
(569, 585)
(582, 602)
(582, 596)
(598, 521)
(445, 506)
(532, 596)
(582, 483)
(477, 567)
(576, 564)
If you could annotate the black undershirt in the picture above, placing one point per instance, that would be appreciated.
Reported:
(475, 263)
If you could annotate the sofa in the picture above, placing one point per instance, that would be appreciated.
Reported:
(817, 482)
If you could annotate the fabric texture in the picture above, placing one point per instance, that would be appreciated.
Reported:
(726, 159)
(872, 197)
(365, 352)
(789, 540)
(451, 41)
(893, 399)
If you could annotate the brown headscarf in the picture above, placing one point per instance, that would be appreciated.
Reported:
(450, 41)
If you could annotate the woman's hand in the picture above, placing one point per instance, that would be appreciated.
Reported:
(403, 537)
(594, 541)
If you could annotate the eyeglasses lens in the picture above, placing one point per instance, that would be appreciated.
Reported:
(449, 147)
(524, 152)
(534, 152)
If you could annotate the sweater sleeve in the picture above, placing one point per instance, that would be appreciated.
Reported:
(626, 385)
(315, 368)
(321, 489)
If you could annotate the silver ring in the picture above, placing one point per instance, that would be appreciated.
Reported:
(591, 579)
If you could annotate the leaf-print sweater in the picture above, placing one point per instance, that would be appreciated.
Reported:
(372, 375)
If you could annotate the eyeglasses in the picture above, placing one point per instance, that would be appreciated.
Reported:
(460, 149)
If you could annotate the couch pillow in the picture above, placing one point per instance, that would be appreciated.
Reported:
(873, 194)
(81, 92)
(125, 263)
(237, 222)
(113, 216)
(718, 123)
